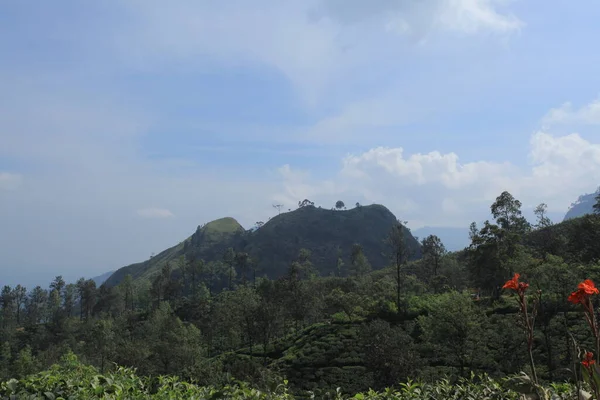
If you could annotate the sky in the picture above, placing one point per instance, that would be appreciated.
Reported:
(126, 124)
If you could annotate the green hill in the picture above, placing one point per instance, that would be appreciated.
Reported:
(208, 242)
(274, 245)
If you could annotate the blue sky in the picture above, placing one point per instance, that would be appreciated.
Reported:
(125, 124)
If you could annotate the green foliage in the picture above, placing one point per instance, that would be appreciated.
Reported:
(278, 241)
(72, 380)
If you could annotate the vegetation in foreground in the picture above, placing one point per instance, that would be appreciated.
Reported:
(72, 380)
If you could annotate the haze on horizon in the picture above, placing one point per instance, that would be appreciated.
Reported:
(124, 125)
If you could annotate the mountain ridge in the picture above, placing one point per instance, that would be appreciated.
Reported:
(582, 206)
(274, 245)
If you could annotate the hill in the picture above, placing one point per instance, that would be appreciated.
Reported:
(584, 205)
(274, 245)
(100, 279)
(208, 242)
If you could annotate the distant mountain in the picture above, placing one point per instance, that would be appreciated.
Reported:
(277, 243)
(102, 278)
(584, 205)
(454, 239)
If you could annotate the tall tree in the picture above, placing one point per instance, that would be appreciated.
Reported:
(340, 262)
(242, 262)
(542, 216)
(400, 252)
(163, 286)
(58, 284)
(360, 265)
(37, 306)
(69, 296)
(496, 249)
(20, 294)
(229, 261)
(7, 298)
(128, 294)
(433, 251)
(339, 204)
(88, 297)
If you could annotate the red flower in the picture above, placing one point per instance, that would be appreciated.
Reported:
(577, 297)
(584, 290)
(588, 359)
(514, 284)
(588, 287)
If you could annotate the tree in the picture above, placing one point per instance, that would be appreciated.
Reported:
(163, 286)
(37, 305)
(496, 249)
(433, 251)
(69, 295)
(390, 353)
(542, 219)
(357, 204)
(507, 212)
(127, 288)
(339, 204)
(58, 284)
(278, 207)
(103, 341)
(305, 203)
(8, 305)
(400, 252)
(360, 265)
(340, 263)
(259, 224)
(453, 328)
(242, 262)
(20, 294)
(229, 260)
(88, 297)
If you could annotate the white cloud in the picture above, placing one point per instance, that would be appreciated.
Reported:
(438, 189)
(153, 212)
(566, 114)
(9, 181)
(420, 17)
(314, 43)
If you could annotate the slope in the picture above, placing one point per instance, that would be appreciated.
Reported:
(273, 246)
(208, 242)
(324, 232)
(584, 205)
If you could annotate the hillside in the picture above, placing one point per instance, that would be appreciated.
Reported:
(208, 242)
(100, 279)
(278, 242)
(584, 205)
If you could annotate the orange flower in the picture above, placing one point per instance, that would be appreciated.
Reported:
(588, 287)
(577, 297)
(588, 359)
(584, 290)
(513, 283)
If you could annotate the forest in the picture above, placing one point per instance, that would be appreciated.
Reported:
(512, 314)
